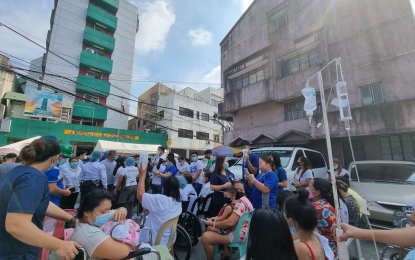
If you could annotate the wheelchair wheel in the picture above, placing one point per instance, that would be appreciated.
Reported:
(182, 244)
(394, 256)
(193, 227)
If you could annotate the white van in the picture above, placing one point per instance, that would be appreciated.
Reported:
(289, 157)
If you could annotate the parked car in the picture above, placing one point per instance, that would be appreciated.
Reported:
(232, 160)
(289, 157)
(388, 186)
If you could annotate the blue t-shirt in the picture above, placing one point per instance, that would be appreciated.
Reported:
(282, 176)
(24, 190)
(221, 179)
(53, 177)
(259, 199)
(171, 169)
(254, 159)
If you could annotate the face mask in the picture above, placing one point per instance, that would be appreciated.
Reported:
(244, 151)
(181, 163)
(158, 152)
(226, 166)
(263, 169)
(63, 161)
(240, 194)
(52, 166)
(227, 200)
(100, 220)
(85, 157)
(194, 159)
(167, 164)
(74, 165)
(336, 167)
(213, 159)
(137, 162)
(116, 157)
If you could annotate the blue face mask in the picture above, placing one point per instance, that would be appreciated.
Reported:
(194, 159)
(167, 164)
(63, 161)
(336, 167)
(226, 166)
(137, 162)
(100, 220)
(74, 165)
(53, 165)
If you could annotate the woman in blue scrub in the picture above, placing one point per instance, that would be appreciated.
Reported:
(24, 202)
(170, 170)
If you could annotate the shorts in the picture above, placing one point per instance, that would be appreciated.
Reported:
(223, 232)
(231, 237)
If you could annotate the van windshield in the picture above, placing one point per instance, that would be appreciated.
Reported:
(382, 172)
(285, 156)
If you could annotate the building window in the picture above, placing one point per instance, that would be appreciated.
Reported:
(202, 136)
(91, 98)
(186, 112)
(186, 133)
(95, 50)
(94, 74)
(89, 122)
(216, 138)
(197, 114)
(215, 102)
(398, 147)
(205, 117)
(300, 62)
(100, 29)
(161, 114)
(249, 78)
(138, 123)
(295, 110)
(372, 94)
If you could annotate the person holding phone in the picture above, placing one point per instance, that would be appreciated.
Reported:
(250, 165)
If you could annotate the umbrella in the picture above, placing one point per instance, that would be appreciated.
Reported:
(4, 151)
(224, 150)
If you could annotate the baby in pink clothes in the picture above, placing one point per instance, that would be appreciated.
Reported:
(126, 233)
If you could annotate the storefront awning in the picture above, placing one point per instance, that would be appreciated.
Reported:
(125, 148)
(19, 145)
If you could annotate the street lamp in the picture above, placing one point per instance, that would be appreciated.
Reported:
(214, 118)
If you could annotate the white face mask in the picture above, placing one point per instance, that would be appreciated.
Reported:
(158, 152)
(85, 157)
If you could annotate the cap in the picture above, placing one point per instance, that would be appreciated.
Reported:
(66, 149)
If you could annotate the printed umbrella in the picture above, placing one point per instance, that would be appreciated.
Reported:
(4, 151)
(224, 150)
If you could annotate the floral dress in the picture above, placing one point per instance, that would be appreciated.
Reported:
(326, 218)
(240, 208)
(354, 210)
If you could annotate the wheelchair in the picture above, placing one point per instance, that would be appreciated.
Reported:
(82, 255)
(401, 218)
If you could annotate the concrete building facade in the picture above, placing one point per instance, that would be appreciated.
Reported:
(276, 46)
(97, 39)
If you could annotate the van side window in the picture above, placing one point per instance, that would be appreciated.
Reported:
(316, 159)
(297, 156)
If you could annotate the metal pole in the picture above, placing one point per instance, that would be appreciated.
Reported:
(341, 248)
(223, 130)
(119, 123)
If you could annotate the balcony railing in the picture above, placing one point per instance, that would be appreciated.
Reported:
(96, 87)
(90, 60)
(102, 18)
(98, 39)
(277, 9)
(89, 110)
(110, 5)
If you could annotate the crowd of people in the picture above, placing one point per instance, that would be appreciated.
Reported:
(46, 179)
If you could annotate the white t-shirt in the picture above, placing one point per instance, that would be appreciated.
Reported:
(183, 195)
(183, 168)
(194, 167)
(130, 172)
(162, 209)
(192, 195)
(308, 174)
(212, 167)
(204, 193)
(157, 179)
(120, 171)
(344, 172)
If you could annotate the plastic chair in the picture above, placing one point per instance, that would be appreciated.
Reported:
(170, 223)
(207, 214)
(242, 247)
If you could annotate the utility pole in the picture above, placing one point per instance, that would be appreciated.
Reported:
(214, 118)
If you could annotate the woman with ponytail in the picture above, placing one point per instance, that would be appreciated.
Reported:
(302, 216)
(24, 203)
(324, 205)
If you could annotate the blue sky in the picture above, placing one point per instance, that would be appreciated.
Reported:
(178, 40)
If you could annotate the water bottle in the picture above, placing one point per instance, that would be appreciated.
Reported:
(310, 103)
(144, 159)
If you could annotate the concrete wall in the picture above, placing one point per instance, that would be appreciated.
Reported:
(375, 40)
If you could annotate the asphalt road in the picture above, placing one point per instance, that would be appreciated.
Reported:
(368, 252)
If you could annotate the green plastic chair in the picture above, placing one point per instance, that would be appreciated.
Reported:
(242, 247)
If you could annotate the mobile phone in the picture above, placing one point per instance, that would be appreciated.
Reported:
(293, 183)
(246, 171)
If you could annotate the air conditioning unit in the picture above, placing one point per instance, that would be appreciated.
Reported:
(91, 50)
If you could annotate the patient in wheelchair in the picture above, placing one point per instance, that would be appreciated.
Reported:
(229, 196)
(126, 232)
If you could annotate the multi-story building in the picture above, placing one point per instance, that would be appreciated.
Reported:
(193, 118)
(276, 46)
(96, 38)
(147, 106)
(8, 82)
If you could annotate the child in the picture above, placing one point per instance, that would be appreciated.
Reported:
(229, 196)
(126, 232)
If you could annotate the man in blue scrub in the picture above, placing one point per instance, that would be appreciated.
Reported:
(250, 162)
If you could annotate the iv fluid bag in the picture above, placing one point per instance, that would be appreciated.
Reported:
(310, 103)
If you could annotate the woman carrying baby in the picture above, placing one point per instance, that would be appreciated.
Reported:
(93, 213)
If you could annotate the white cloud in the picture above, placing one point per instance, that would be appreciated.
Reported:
(244, 4)
(213, 77)
(200, 36)
(155, 21)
